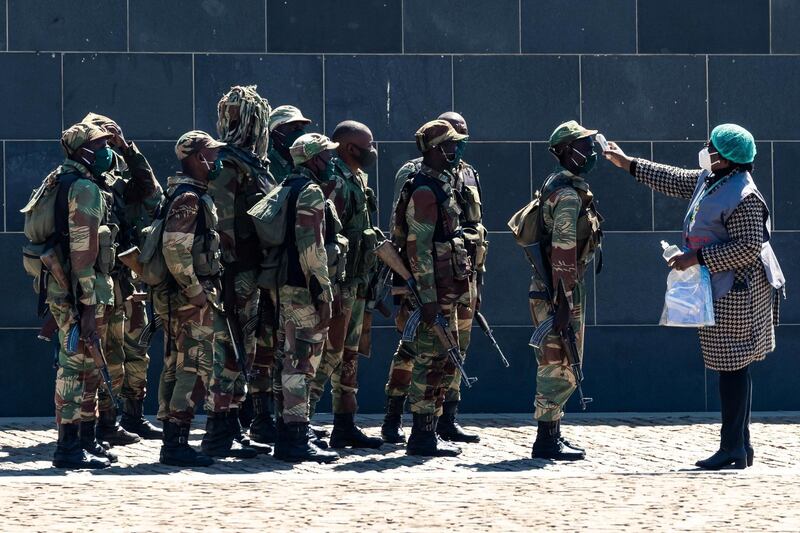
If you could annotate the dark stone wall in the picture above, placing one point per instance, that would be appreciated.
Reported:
(654, 75)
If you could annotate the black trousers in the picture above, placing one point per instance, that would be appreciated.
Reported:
(736, 398)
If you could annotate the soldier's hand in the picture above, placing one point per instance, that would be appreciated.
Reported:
(324, 310)
(118, 139)
(617, 156)
(429, 312)
(199, 300)
(88, 322)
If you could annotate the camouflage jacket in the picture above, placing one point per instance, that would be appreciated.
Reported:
(434, 246)
(192, 257)
(137, 195)
(467, 190)
(350, 196)
(88, 213)
(244, 180)
(309, 238)
(278, 166)
(574, 228)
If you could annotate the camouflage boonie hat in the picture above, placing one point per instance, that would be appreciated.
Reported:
(568, 132)
(194, 141)
(79, 134)
(101, 121)
(309, 145)
(434, 133)
(284, 114)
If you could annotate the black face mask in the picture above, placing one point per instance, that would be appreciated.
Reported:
(366, 157)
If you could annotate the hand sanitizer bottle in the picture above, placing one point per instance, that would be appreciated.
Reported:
(670, 250)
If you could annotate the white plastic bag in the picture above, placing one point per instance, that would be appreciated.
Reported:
(689, 302)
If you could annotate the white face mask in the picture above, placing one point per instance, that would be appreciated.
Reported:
(704, 159)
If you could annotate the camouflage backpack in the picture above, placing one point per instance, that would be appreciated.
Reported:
(154, 266)
(272, 217)
(46, 223)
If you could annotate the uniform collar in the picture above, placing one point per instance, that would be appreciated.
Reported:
(577, 181)
(348, 173)
(182, 179)
(306, 173)
(73, 166)
(275, 158)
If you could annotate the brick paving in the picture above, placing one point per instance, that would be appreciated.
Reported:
(639, 475)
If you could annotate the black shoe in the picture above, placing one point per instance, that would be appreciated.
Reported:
(235, 427)
(133, 420)
(723, 459)
(219, 442)
(262, 428)
(392, 428)
(424, 442)
(175, 449)
(90, 444)
(69, 453)
(346, 433)
(448, 429)
(314, 438)
(550, 445)
(294, 446)
(750, 455)
(108, 430)
(565, 442)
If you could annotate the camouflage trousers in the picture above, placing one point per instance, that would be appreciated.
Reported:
(340, 358)
(301, 342)
(127, 359)
(555, 380)
(432, 368)
(403, 359)
(228, 387)
(188, 347)
(77, 379)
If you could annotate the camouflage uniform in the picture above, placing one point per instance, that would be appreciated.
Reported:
(349, 194)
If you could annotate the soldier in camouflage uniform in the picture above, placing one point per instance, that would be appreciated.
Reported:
(243, 117)
(467, 191)
(188, 301)
(90, 297)
(428, 232)
(286, 125)
(305, 300)
(571, 227)
(350, 195)
(137, 195)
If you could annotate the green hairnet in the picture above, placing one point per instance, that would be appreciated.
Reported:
(734, 143)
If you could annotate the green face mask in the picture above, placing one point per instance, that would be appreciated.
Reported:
(328, 172)
(588, 161)
(214, 171)
(102, 160)
(287, 140)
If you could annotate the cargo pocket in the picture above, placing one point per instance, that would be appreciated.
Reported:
(459, 258)
(107, 248)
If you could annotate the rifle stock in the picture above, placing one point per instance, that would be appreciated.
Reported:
(94, 347)
(130, 258)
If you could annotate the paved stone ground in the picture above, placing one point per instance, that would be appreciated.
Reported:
(638, 476)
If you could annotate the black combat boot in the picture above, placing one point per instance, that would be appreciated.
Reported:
(319, 431)
(133, 420)
(316, 438)
(564, 441)
(175, 449)
(70, 454)
(346, 433)
(392, 428)
(423, 440)
(90, 444)
(108, 430)
(219, 442)
(236, 429)
(294, 446)
(262, 429)
(246, 411)
(450, 430)
(549, 445)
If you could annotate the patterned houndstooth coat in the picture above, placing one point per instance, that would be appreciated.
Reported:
(746, 316)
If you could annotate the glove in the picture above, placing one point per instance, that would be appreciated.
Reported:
(429, 312)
